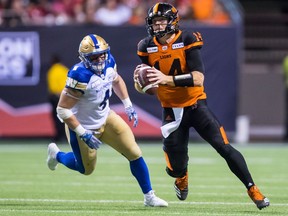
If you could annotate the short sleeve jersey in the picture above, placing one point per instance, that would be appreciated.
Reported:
(171, 59)
(92, 108)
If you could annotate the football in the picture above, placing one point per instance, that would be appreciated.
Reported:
(143, 81)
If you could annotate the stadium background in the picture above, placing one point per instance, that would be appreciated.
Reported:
(243, 75)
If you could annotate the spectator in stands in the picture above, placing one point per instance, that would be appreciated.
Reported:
(139, 10)
(56, 78)
(78, 11)
(62, 12)
(90, 7)
(210, 11)
(185, 9)
(113, 13)
(37, 12)
(285, 69)
(105, 12)
(12, 13)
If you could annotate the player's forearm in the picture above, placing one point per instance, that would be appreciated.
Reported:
(67, 116)
(120, 89)
(192, 79)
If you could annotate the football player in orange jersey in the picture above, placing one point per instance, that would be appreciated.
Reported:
(177, 68)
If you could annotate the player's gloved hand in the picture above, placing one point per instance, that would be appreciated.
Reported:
(131, 113)
(89, 138)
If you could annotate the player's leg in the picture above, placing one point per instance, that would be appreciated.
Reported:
(82, 159)
(176, 154)
(119, 136)
(209, 128)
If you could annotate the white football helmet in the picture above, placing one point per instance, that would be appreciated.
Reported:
(91, 47)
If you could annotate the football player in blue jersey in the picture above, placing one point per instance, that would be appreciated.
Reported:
(84, 108)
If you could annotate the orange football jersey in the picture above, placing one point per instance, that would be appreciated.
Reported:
(170, 59)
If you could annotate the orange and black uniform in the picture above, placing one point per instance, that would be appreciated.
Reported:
(180, 56)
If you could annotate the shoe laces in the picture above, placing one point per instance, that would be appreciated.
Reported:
(255, 194)
(182, 182)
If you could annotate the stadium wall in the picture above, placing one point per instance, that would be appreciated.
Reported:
(25, 55)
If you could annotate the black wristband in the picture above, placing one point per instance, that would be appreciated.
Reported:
(184, 80)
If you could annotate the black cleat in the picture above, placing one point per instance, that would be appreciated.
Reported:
(181, 187)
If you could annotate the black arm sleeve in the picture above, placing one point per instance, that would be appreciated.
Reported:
(144, 59)
(194, 60)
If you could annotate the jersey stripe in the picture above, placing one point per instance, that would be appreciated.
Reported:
(195, 44)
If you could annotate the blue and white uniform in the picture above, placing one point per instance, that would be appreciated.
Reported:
(96, 89)
(95, 77)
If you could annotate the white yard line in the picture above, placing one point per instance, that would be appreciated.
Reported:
(127, 201)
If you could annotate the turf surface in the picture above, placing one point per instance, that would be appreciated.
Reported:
(28, 187)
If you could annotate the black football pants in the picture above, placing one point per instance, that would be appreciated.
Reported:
(208, 127)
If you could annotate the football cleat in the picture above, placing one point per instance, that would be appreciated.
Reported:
(258, 198)
(151, 200)
(52, 153)
(181, 187)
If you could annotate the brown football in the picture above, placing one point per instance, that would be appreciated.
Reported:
(143, 81)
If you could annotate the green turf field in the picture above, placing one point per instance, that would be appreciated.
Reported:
(28, 187)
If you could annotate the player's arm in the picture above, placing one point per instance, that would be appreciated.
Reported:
(195, 78)
(143, 55)
(68, 98)
(120, 88)
(192, 79)
(193, 61)
(195, 65)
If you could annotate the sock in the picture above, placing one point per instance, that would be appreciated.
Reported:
(140, 171)
(67, 159)
(250, 185)
(150, 194)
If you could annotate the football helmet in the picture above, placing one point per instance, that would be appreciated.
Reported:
(91, 48)
(167, 11)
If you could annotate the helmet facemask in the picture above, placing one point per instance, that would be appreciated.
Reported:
(94, 52)
(95, 62)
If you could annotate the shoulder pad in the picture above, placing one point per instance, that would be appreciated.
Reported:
(78, 77)
(192, 39)
(142, 45)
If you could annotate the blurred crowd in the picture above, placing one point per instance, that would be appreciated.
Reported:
(105, 12)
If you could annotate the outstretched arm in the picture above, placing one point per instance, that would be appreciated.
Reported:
(120, 88)
(121, 91)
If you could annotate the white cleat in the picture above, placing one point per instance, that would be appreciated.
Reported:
(151, 200)
(51, 159)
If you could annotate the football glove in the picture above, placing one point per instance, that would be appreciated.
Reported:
(131, 113)
(89, 138)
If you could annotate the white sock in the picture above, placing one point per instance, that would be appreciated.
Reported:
(150, 194)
